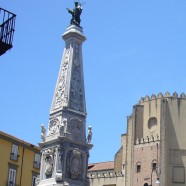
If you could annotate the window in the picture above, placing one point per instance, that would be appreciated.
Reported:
(138, 167)
(154, 165)
(14, 152)
(37, 161)
(12, 177)
(34, 179)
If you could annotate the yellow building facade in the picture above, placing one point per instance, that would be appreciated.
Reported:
(19, 161)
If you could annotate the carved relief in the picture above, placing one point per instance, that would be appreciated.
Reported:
(76, 82)
(49, 162)
(75, 164)
(53, 125)
(75, 127)
(59, 170)
(61, 97)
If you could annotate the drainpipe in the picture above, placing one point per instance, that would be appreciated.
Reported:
(22, 166)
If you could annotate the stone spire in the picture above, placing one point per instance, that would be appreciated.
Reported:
(65, 149)
(69, 92)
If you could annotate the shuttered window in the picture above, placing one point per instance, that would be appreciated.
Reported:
(37, 161)
(12, 177)
(14, 152)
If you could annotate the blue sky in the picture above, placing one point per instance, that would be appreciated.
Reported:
(134, 48)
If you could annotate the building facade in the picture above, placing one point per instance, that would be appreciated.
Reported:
(105, 174)
(153, 151)
(19, 161)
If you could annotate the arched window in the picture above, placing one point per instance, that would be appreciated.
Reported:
(138, 167)
(146, 184)
(154, 165)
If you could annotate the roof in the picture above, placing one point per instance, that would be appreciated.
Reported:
(109, 165)
(18, 141)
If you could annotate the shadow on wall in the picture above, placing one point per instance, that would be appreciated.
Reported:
(175, 151)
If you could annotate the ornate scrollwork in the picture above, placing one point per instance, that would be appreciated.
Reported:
(61, 94)
(76, 82)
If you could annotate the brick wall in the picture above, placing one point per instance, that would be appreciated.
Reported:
(144, 156)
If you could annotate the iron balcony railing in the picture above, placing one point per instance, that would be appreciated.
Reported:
(7, 28)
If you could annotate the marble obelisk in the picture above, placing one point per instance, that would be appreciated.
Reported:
(65, 149)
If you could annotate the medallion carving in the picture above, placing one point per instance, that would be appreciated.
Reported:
(75, 164)
(75, 127)
(53, 125)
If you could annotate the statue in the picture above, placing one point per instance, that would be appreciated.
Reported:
(89, 137)
(76, 12)
(62, 127)
(43, 132)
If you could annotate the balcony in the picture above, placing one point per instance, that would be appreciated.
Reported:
(7, 28)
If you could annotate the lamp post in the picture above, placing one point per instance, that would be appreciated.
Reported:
(157, 176)
(157, 182)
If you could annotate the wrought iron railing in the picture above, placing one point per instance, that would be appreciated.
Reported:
(7, 28)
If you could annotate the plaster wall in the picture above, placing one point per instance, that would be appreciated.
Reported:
(176, 141)
(151, 109)
(116, 181)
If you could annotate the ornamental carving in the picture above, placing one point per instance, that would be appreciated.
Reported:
(49, 162)
(75, 127)
(61, 95)
(75, 164)
(76, 82)
(53, 125)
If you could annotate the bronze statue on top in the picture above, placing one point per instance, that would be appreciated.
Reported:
(76, 12)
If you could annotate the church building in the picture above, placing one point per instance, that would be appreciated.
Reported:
(153, 151)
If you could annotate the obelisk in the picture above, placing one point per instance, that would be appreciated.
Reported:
(65, 148)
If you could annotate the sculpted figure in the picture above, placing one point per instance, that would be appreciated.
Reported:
(43, 132)
(62, 127)
(89, 137)
(76, 12)
(48, 166)
(49, 162)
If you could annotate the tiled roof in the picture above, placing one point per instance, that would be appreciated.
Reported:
(16, 140)
(109, 165)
